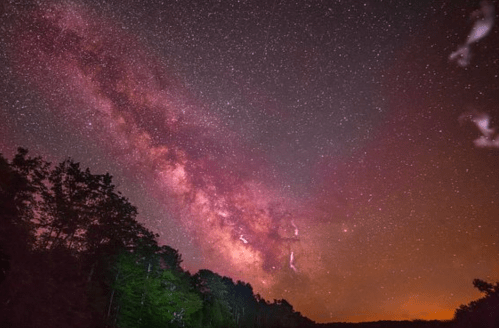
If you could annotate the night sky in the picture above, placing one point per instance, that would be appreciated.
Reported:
(326, 152)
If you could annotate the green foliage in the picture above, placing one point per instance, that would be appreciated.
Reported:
(217, 307)
(149, 296)
(73, 253)
(70, 221)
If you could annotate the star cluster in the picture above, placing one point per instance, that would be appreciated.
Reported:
(310, 148)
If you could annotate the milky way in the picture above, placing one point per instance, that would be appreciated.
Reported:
(184, 152)
(321, 163)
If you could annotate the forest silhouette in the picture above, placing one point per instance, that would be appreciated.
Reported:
(72, 254)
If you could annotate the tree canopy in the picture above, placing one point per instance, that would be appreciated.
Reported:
(73, 252)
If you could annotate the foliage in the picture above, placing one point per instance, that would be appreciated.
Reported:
(483, 312)
(151, 296)
(58, 228)
(74, 254)
(217, 308)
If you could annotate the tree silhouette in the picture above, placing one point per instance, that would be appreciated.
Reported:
(73, 254)
(59, 228)
(483, 312)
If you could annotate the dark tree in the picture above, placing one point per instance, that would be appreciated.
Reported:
(60, 230)
(483, 312)
(217, 307)
(72, 254)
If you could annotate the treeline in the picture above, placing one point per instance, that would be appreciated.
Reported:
(481, 313)
(72, 254)
(391, 324)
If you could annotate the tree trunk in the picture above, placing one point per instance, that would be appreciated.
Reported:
(91, 272)
(111, 298)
